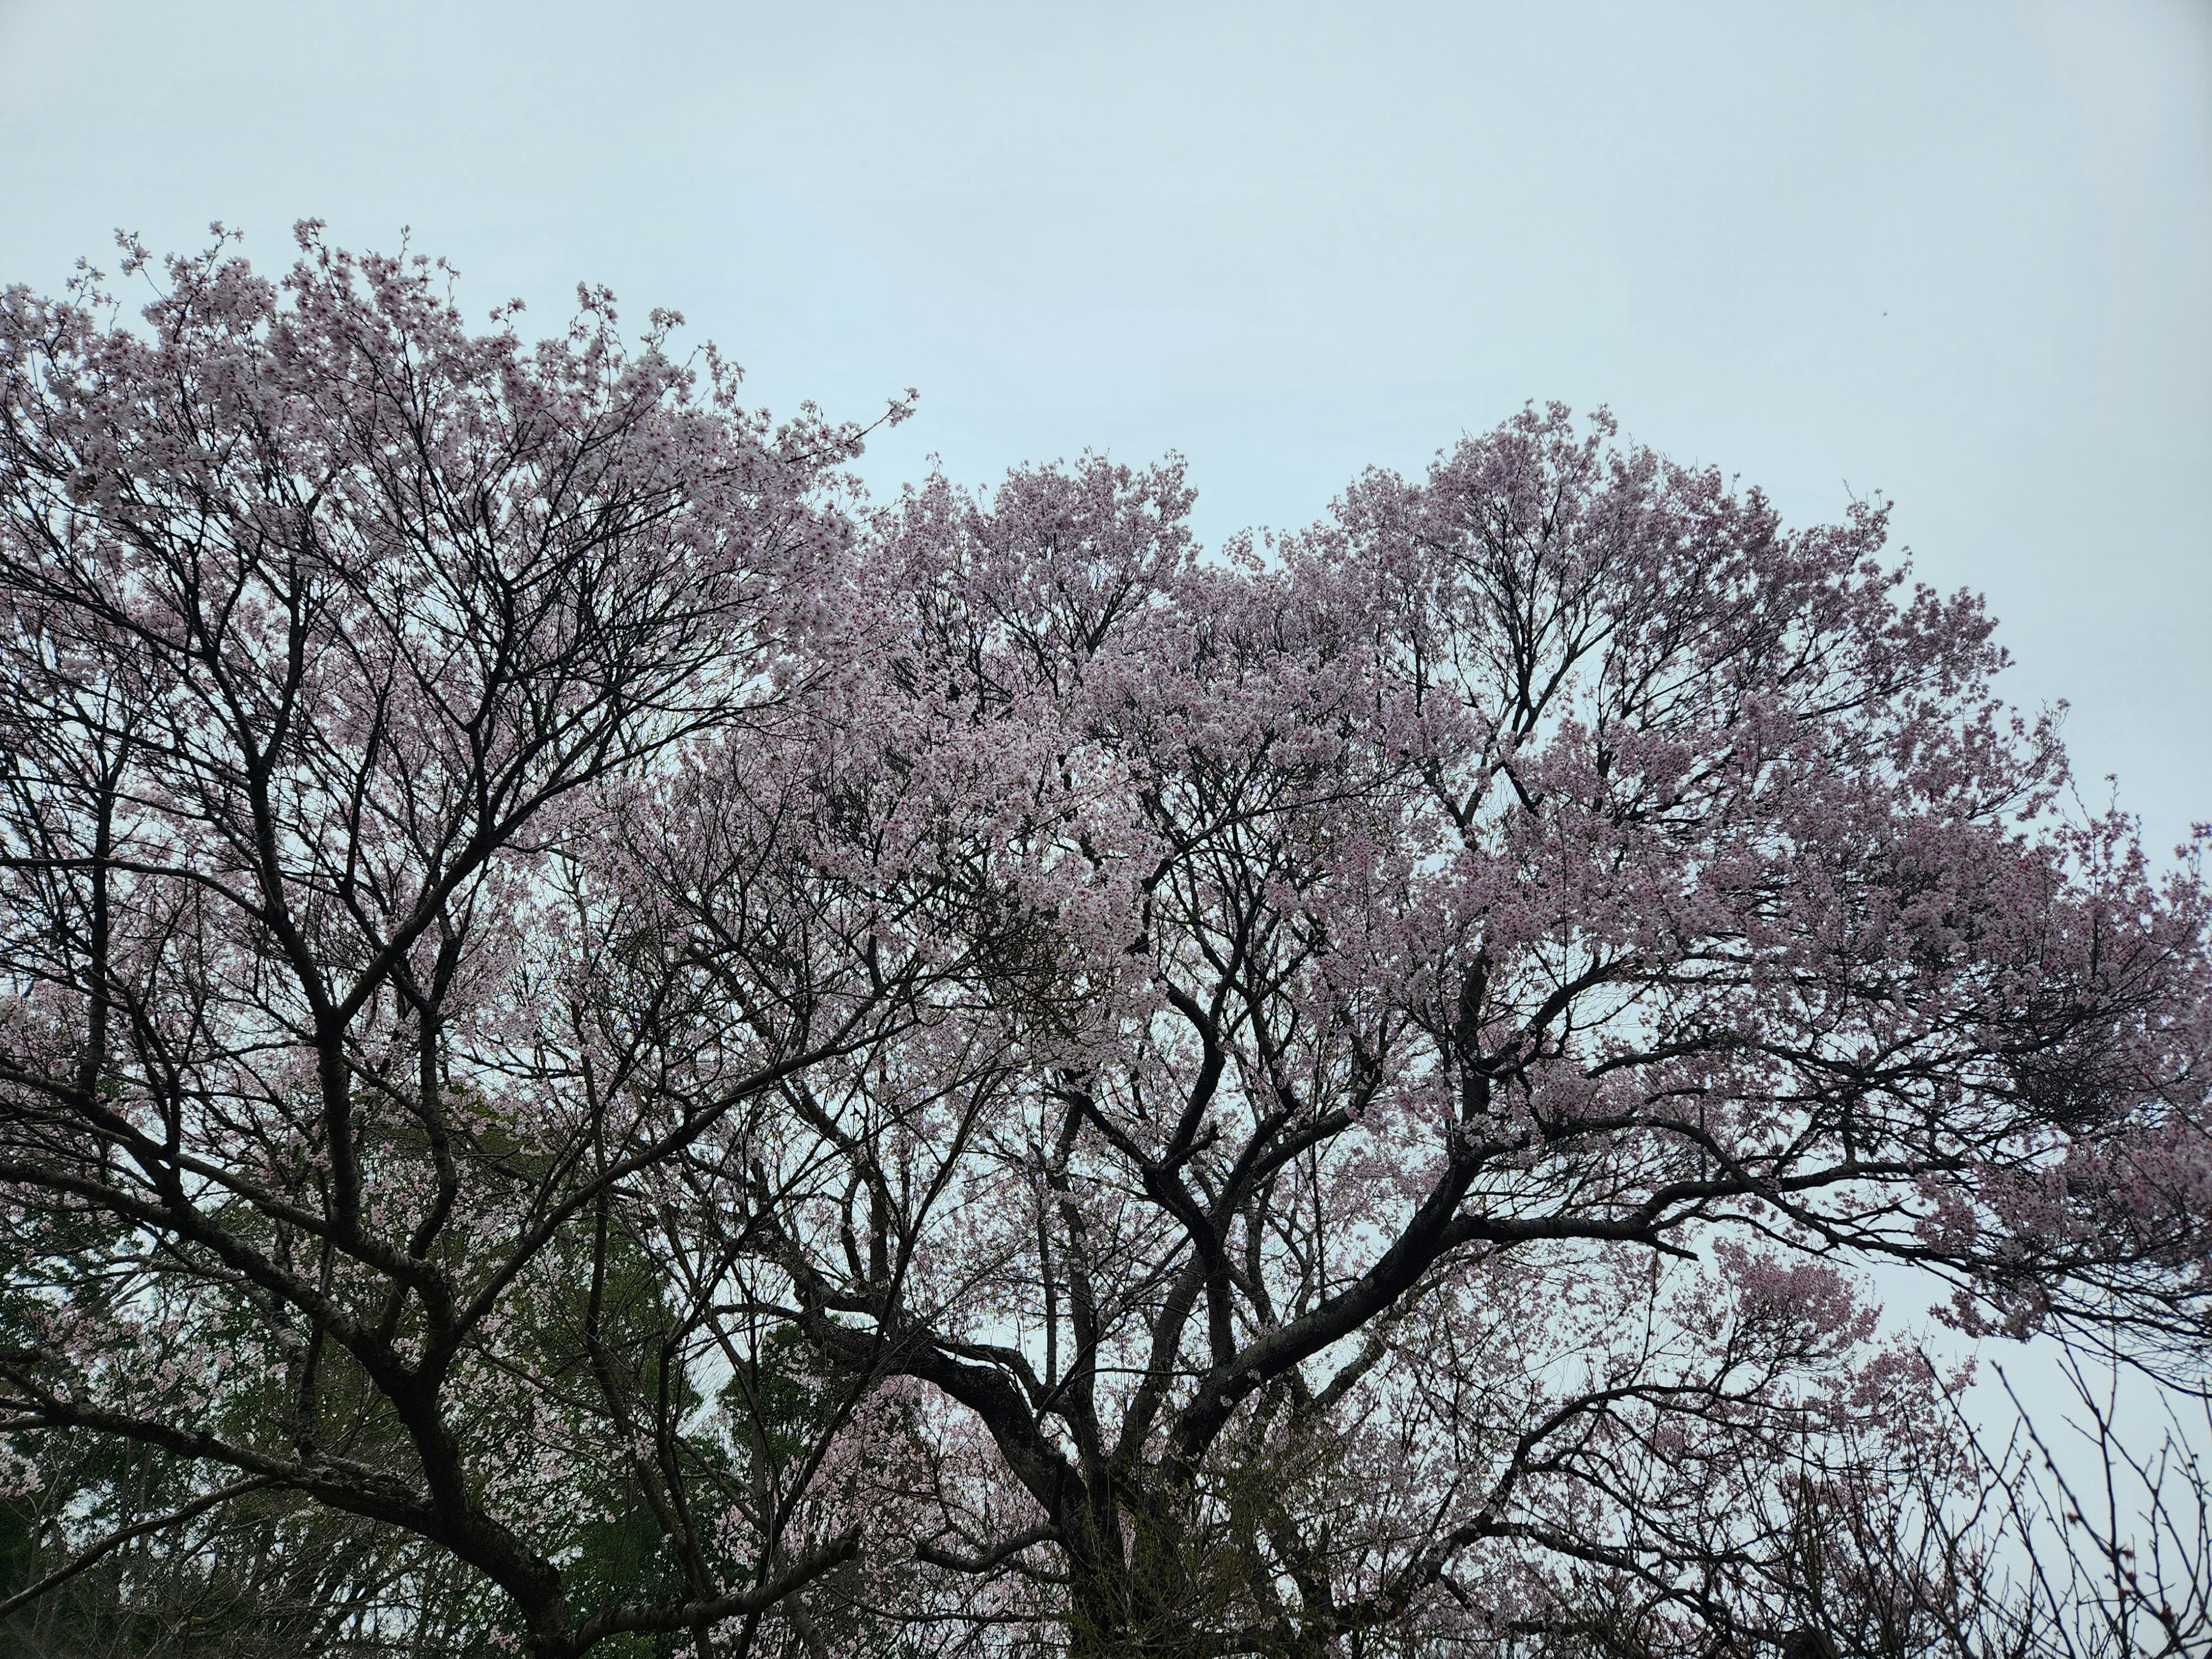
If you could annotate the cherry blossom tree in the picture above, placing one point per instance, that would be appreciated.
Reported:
(678, 1058)
(327, 623)
(1564, 919)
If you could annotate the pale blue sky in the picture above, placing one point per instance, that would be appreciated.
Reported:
(1959, 253)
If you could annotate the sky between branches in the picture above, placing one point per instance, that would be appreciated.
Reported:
(1959, 254)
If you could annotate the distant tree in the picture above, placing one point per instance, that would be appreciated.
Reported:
(605, 1049)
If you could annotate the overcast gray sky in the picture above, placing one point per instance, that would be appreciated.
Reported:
(1958, 254)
